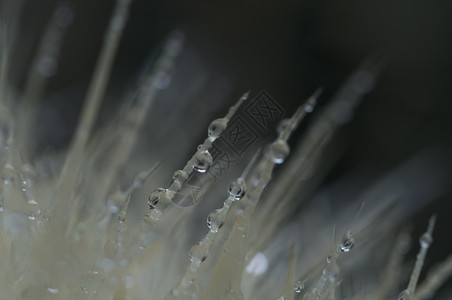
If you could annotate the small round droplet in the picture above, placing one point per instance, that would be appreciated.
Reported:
(215, 220)
(298, 287)
(348, 241)
(203, 160)
(425, 240)
(309, 108)
(155, 197)
(217, 127)
(278, 151)
(237, 189)
(198, 253)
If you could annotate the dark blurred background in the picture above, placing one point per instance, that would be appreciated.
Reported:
(288, 48)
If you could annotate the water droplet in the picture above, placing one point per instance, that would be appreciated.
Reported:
(215, 220)
(203, 160)
(198, 253)
(217, 127)
(122, 216)
(31, 217)
(309, 108)
(156, 196)
(278, 151)
(237, 189)
(425, 240)
(298, 287)
(348, 241)
(112, 206)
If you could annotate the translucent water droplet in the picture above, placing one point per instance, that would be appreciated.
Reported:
(282, 125)
(237, 189)
(405, 295)
(215, 220)
(203, 160)
(156, 196)
(425, 240)
(348, 241)
(298, 287)
(278, 151)
(31, 217)
(122, 216)
(198, 253)
(309, 108)
(217, 127)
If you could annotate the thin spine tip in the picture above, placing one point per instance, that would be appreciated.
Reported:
(431, 224)
(245, 95)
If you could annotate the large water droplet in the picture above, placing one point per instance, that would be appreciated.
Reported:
(348, 241)
(237, 189)
(156, 196)
(215, 220)
(216, 128)
(278, 151)
(198, 253)
(203, 160)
